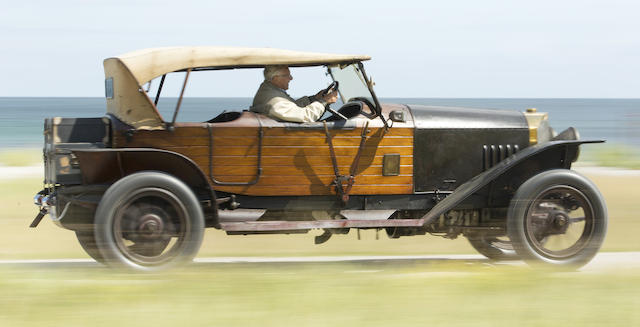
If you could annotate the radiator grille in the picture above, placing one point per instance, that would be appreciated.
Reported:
(492, 154)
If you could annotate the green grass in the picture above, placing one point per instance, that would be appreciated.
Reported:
(612, 155)
(434, 294)
(20, 157)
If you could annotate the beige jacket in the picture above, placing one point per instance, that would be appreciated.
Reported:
(277, 104)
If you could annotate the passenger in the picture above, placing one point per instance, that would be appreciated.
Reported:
(272, 99)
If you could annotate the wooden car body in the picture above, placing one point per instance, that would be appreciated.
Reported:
(414, 169)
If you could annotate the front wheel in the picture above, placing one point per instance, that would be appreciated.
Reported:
(557, 217)
(148, 221)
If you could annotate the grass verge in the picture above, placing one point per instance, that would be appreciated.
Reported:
(20, 157)
(319, 295)
(613, 155)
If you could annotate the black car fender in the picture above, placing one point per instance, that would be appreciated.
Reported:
(569, 148)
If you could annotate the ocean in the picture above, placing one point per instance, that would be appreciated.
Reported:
(615, 120)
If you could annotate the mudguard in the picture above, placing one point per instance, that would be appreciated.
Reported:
(105, 166)
(479, 181)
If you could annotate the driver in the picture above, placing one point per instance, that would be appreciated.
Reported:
(272, 99)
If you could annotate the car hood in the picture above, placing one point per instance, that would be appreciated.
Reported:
(439, 117)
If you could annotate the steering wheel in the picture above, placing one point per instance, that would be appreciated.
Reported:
(332, 87)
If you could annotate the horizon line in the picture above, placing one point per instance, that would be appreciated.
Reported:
(385, 97)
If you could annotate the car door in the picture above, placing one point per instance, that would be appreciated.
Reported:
(256, 155)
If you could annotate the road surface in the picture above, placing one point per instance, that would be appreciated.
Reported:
(603, 262)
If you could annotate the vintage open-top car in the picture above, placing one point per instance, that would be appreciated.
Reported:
(138, 189)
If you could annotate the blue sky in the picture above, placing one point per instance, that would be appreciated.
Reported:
(485, 48)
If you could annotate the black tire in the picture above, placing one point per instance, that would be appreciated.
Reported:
(87, 240)
(493, 247)
(557, 217)
(148, 221)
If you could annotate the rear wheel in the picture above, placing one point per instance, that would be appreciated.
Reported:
(493, 247)
(557, 217)
(148, 221)
(87, 240)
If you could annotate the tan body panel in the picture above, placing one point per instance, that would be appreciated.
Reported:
(293, 161)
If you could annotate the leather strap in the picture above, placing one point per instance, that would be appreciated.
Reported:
(343, 192)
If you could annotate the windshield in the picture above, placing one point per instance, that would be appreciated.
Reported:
(352, 82)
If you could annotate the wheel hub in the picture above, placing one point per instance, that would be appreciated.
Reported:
(150, 226)
(560, 222)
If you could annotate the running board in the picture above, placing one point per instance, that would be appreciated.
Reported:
(255, 226)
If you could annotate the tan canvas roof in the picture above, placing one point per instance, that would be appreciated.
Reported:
(148, 64)
(132, 70)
